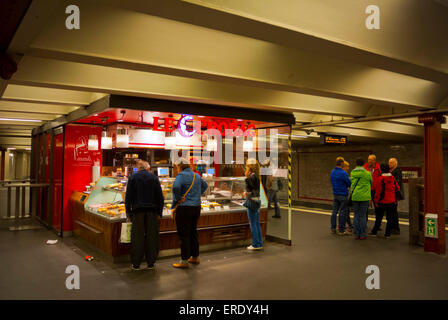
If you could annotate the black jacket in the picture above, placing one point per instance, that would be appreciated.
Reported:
(252, 186)
(398, 175)
(144, 192)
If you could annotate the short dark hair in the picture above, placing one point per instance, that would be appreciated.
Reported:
(360, 162)
(384, 168)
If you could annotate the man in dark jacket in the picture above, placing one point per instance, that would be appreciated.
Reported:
(398, 175)
(340, 182)
(144, 204)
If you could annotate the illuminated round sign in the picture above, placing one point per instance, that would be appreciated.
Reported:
(182, 127)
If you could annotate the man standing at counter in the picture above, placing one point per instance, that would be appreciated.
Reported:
(144, 204)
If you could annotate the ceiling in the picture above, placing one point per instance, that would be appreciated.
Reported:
(313, 58)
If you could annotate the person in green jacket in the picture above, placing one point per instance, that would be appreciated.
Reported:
(361, 195)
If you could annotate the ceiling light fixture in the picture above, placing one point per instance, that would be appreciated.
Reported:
(122, 138)
(24, 120)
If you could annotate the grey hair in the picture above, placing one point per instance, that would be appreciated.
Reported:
(394, 159)
(142, 165)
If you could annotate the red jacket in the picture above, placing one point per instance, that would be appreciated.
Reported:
(390, 185)
(375, 174)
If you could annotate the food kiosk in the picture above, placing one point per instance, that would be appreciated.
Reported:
(101, 151)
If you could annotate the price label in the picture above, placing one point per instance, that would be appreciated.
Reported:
(226, 207)
(211, 196)
(206, 208)
(218, 208)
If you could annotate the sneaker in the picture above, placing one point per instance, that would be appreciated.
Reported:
(386, 237)
(194, 260)
(252, 248)
(356, 238)
(135, 268)
(395, 232)
(150, 267)
(181, 264)
(276, 217)
(333, 231)
(372, 233)
(345, 233)
(362, 238)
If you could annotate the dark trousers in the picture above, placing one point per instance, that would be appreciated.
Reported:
(187, 222)
(395, 222)
(380, 210)
(144, 237)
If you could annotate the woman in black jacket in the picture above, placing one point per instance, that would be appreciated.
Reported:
(253, 203)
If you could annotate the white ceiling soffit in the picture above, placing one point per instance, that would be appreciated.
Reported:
(47, 95)
(35, 107)
(153, 44)
(407, 28)
(78, 76)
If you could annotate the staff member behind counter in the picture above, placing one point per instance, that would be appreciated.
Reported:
(144, 204)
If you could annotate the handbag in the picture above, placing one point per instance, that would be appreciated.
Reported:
(125, 236)
(350, 201)
(174, 210)
(252, 205)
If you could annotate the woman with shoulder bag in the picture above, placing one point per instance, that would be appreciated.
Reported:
(187, 190)
(253, 203)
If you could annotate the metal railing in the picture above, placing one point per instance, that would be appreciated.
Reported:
(16, 200)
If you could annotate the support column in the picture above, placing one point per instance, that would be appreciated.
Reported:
(2, 164)
(434, 186)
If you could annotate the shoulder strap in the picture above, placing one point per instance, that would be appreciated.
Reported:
(356, 184)
(189, 188)
(186, 193)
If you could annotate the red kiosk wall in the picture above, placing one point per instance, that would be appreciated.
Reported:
(58, 164)
(41, 193)
(78, 162)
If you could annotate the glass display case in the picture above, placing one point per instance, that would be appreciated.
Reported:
(223, 195)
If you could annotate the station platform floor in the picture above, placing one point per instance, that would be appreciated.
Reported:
(318, 265)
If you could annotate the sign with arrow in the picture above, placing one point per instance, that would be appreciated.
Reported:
(431, 226)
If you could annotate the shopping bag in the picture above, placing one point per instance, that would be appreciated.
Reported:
(125, 236)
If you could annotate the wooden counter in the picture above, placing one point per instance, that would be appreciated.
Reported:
(213, 229)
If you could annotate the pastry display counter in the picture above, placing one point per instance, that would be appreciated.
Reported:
(97, 216)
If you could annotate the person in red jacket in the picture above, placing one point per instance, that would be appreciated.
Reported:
(374, 168)
(385, 199)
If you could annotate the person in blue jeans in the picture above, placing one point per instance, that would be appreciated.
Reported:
(253, 194)
(340, 183)
(361, 196)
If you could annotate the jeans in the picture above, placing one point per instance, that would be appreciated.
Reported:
(186, 222)
(144, 237)
(389, 209)
(273, 198)
(360, 223)
(255, 228)
(339, 206)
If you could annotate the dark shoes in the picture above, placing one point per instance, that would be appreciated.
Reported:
(276, 217)
(395, 231)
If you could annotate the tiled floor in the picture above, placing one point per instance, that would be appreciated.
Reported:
(319, 265)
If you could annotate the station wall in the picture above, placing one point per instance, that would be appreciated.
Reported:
(312, 166)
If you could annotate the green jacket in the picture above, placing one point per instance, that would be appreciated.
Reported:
(362, 179)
